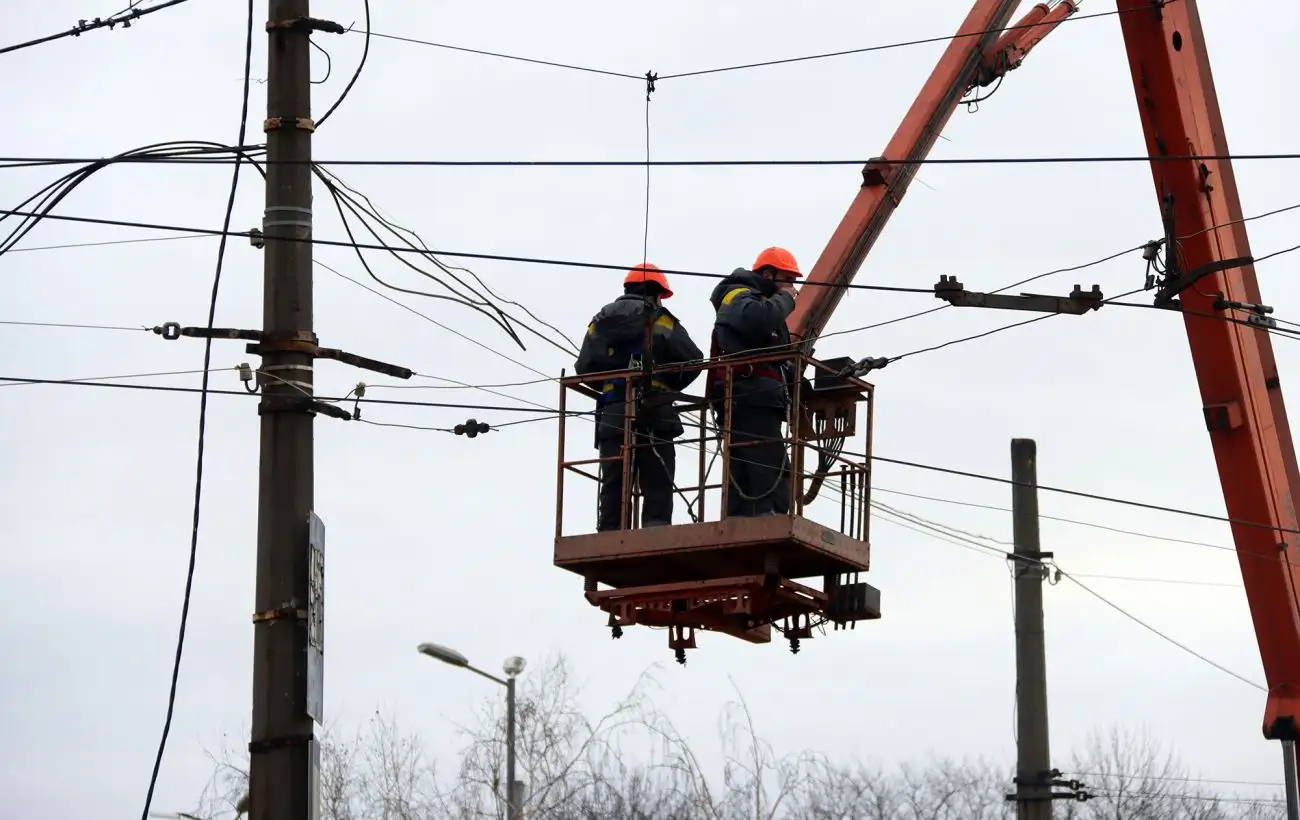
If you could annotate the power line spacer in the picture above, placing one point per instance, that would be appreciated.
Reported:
(276, 123)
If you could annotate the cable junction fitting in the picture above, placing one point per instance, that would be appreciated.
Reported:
(1079, 302)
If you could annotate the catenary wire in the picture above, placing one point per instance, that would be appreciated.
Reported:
(128, 15)
(202, 420)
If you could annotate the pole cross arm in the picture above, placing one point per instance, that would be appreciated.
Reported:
(1079, 302)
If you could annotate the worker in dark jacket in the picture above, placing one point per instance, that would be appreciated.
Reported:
(752, 307)
(615, 341)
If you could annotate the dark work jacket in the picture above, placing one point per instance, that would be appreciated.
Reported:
(751, 316)
(615, 336)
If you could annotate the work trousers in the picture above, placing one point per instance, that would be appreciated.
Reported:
(760, 472)
(654, 465)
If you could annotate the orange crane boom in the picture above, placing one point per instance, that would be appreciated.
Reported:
(1211, 276)
(983, 50)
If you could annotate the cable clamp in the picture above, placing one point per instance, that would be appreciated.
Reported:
(650, 78)
(471, 428)
(285, 741)
(276, 123)
(306, 24)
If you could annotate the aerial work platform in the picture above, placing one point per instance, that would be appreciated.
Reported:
(740, 576)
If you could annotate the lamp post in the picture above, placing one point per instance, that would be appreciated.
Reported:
(513, 667)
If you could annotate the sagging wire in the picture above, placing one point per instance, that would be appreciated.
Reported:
(406, 235)
(44, 200)
(365, 52)
(345, 204)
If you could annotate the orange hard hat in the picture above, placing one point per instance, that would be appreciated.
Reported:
(646, 272)
(778, 258)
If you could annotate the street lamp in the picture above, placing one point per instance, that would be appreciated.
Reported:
(513, 667)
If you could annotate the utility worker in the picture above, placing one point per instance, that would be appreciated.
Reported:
(752, 306)
(615, 340)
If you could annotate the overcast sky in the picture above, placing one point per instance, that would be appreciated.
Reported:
(435, 537)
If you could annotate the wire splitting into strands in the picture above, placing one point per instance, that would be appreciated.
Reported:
(123, 18)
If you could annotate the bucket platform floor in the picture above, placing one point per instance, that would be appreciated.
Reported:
(709, 550)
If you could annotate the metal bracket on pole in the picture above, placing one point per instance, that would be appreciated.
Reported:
(305, 343)
(1079, 302)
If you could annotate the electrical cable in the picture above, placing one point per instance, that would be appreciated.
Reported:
(482, 303)
(361, 64)
(970, 543)
(72, 245)
(465, 50)
(124, 18)
(364, 246)
(429, 319)
(1062, 573)
(67, 325)
(890, 46)
(202, 421)
(373, 210)
(553, 411)
(495, 257)
(161, 388)
(1077, 522)
(1055, 159)
(1137, 579)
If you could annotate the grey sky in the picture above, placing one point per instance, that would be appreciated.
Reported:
(426, 529)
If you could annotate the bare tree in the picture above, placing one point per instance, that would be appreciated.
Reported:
(633, 763)
(1131, 777)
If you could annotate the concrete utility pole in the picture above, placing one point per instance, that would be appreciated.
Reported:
(1033, 756)
(283, 771)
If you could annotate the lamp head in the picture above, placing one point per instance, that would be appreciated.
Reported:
(444, 654)
(513, 667)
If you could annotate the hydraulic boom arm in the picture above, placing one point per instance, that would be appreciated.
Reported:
(1209, 266)
(980, 53)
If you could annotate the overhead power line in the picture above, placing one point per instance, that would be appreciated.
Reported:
(729, 68)
(124, 19)
(1157, 632)
(499, 55)
(161, 388)
(973, 541)
(461, 254)
(153, 226)
(203, 417)
(1055, 159)
(883, 47)
(539, 409)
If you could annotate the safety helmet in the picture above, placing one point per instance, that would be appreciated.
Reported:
(778, 258)
(646, 272)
